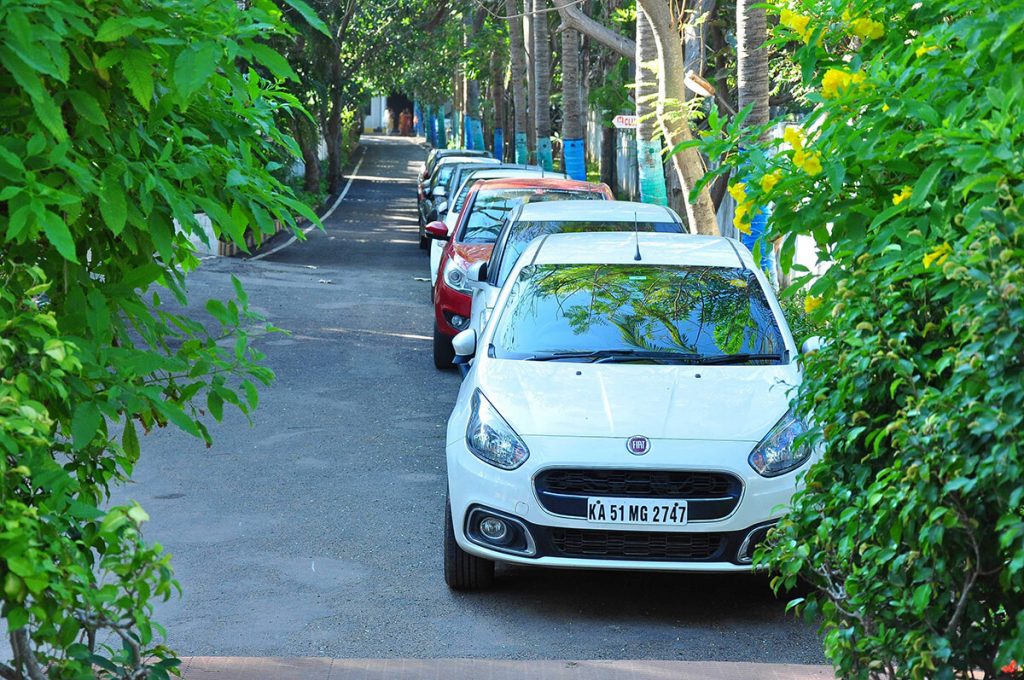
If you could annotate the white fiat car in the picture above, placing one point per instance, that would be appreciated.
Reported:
(627, 407)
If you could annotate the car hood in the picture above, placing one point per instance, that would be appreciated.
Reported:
(723, 403)
(473, 252)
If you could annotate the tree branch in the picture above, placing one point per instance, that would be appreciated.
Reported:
(573, 17)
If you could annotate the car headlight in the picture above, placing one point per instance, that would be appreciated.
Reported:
(455, 276)
(490, 438)
(777, 454)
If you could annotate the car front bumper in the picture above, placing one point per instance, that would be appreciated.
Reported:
(723, 544)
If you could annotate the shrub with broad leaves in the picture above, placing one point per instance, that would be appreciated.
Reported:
(121, 121)
(909, 176)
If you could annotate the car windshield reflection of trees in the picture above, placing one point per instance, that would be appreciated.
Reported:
(653, 312)
(524, 232)
(489, 210)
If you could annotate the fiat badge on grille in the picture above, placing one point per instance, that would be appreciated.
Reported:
(638, 445)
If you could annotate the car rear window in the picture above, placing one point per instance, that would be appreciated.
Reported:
(491, 206)
(523, 232)
(688, 311)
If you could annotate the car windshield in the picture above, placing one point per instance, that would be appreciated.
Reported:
(638, 313)
(491, 206)
(523, 232)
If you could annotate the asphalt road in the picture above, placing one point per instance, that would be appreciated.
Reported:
(316, 531)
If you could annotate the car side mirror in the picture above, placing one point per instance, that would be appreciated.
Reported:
(812, 344)
(477, 272)
(442, 207)
(465, 346)
(437, 230)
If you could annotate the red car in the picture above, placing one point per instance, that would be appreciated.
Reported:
(473, 238)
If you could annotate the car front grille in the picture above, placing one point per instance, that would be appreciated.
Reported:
(674, 484)
(709, 495)
(640, 545)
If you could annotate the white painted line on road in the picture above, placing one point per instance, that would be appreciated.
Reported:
(311, 227)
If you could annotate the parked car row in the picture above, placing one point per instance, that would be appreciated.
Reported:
(625, 400)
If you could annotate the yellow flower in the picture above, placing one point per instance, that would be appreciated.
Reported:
(808, 161)
(738, 191)
(867, 29)
(835, 81)
(811, 303)
(937, 256)
(769, 181)
(741, 220)
(885, 107)
(794, 136)
(903, 195)
(925, 49)
(796, 23)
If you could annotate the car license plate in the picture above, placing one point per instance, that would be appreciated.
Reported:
(636, 511)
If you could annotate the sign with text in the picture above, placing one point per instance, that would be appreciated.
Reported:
(624, 121)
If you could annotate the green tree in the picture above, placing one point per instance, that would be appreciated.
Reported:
(122, 120)
(908, 175)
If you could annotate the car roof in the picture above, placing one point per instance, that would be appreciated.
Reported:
(545, 182)
(595, 211)
(489, 172)
(621, 247)
(449, 160)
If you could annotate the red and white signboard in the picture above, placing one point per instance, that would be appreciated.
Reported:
(624, 121)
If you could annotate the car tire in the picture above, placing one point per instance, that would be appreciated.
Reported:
(444, 353)
(463, 571)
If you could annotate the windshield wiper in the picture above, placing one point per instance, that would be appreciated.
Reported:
(742, 358)
(613, 355)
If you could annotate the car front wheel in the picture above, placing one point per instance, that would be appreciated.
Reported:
(463, 571)
(444, 353)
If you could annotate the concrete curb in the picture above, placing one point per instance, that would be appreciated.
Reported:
(310, 668)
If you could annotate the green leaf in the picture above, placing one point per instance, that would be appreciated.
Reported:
(23, 74)
(85, 424)
(923, 186)
(922, 596)
(194, 66)
(59, 235)
(215, 404)
(50, 116)
(310, 15)
(137, 67)
(115, 29)
(302, 209)
(130, 440)
(87, 107)
(17, 617)
(270, 58)
(112, 203)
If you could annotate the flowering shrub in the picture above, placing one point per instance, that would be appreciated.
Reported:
(909, 176)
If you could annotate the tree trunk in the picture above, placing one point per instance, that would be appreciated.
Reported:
(332, 133)
(542, 74)
(672, 115)
(531, 78)
(574, 162)
(648, 141)
(695, 32)
(307, 137)
(498, 102)
(608, 156)
(517, 58)
(752, 60)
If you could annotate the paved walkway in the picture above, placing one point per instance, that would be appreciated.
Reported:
(239, 668)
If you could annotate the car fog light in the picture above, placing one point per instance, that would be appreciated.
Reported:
(493, 529)
(459, 322)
